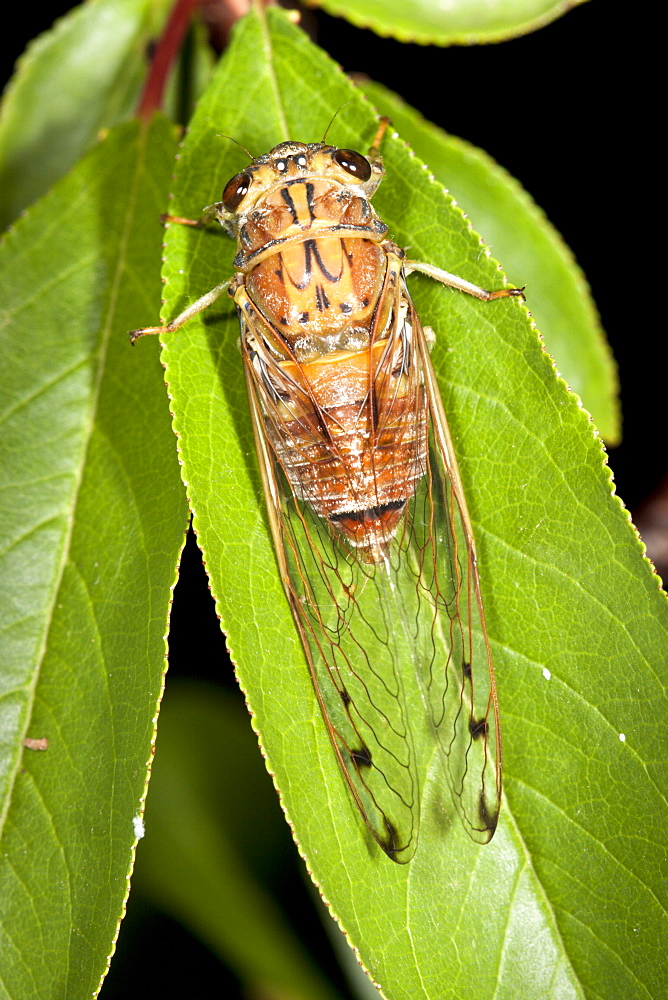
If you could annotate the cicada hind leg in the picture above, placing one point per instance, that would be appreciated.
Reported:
(461, 284)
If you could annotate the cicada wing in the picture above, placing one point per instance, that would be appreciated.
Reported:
(434, 591)
(342, 613)
(380, 636)
(455, 666)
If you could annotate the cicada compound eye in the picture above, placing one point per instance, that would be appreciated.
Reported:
(236, 190)
(354, 163)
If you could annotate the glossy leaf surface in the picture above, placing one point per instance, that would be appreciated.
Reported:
(444, 22)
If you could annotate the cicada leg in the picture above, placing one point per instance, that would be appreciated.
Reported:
(383, 125)
(454, 281)
(192, 310)
(210, 212)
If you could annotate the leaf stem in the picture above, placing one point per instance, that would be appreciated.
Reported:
(163, 57)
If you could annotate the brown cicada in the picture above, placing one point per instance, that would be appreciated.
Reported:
(365, 500)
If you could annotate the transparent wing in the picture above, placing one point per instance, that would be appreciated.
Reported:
(455, 672)
(397, 649)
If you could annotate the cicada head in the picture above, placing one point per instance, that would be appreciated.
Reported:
(343, 171)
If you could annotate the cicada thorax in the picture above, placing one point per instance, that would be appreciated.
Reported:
(321, 305)
(356, 455)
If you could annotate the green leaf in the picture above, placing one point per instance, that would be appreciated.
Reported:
(93, 516)
(449, 22)
(209, 844)
(567, 900)
(533, 254)
(91, 64)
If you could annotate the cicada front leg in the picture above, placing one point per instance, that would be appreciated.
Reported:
(193, 309)
(210, 213)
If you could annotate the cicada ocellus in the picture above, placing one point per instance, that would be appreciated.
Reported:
(366, 506)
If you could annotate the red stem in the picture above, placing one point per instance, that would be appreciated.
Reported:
(165, 53)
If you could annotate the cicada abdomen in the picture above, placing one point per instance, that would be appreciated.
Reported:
(365, 501)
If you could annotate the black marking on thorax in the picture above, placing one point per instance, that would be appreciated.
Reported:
(321, 301)
(311, 247)
(311, 255)
(287, 198)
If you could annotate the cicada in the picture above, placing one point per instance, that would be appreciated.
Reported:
(365, 501)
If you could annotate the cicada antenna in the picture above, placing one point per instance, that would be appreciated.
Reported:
(331, 121)
(219, 135)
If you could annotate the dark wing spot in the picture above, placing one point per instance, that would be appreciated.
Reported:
(466, 670)
(390, 843)
(361, 757)
(488, 822)
(478, 728)
(345, 697)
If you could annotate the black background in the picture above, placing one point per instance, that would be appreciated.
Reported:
(577, 130)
